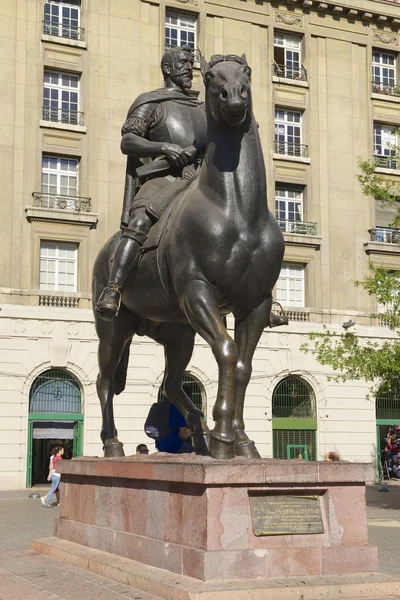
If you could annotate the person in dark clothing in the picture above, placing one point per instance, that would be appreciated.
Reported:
(178, 440)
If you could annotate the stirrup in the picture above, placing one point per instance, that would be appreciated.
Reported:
(111, 311)
(280, 319)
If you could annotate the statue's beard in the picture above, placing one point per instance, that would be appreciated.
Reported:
(183, 80)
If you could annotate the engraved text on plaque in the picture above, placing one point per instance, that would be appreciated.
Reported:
(278, 515)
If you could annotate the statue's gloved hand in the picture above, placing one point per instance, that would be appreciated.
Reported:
(177, 156)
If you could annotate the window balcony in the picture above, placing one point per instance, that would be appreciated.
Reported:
(385, 89)
(70, 32)
(298, 227)
(60, 202)
(298, 74)
(61, 115)
(291, 149)
(387, 235)
(386, 162)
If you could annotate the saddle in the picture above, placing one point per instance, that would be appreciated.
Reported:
(162, 215)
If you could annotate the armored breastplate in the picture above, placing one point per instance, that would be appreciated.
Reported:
(182, 124)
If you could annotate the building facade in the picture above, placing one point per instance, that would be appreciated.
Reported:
(324, 79)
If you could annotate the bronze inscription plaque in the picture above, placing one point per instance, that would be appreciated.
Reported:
(278, 515)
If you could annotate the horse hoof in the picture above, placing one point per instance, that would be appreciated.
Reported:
(247, 449)
(113, 449)
(221, 450)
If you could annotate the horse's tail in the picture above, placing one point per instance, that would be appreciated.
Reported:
(122, 370)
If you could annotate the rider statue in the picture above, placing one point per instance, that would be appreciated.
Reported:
(162, 123)
(169, 123)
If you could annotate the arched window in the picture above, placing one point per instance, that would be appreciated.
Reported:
(55, 391)
(293, 398)
(388, 404)
(294, 419)
(194, 389)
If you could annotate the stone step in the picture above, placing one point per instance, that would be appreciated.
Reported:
(170, 586)
(29, 575)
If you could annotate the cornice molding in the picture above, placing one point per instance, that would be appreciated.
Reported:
(345, 11)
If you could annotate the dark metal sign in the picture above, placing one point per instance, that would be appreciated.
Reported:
(280, 515)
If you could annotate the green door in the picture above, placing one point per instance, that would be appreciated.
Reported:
(78, 442)
(29, 455)
(297, 451)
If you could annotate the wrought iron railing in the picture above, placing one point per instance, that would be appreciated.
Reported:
(387, 162)
(385, 89)
(195, 51)
(58, 201)
(61, 115)
(300, 227)
(287, 72)
(65, 31)
(385, 234)
(291, 149)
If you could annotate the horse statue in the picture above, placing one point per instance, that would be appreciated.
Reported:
(216, 250)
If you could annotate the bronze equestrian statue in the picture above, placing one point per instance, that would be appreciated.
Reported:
(214, 249)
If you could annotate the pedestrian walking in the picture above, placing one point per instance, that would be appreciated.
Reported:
(54, 478)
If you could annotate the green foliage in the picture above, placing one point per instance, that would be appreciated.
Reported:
(376, 361)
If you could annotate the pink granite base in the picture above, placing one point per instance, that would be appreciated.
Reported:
(191, 515)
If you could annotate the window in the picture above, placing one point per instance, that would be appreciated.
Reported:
(287, 56)
(180, 29)
(58, 266)
(288, 133)
(288, 204)
(61, 98)
(59, 181)
(62, 18)
(384, 142)
(383, 72)
(290, 285)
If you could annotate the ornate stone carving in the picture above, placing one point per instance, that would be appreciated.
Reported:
(385, 37)
(46, 328)
(72, 329)
(288, 18)
(19, 326)
(194, 2)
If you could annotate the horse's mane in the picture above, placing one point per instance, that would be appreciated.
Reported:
(217, 58)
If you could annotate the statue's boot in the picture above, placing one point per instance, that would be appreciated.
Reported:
(277, 320)
(125, 260)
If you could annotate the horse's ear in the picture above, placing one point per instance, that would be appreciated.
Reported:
(203, 65)
(243, 57)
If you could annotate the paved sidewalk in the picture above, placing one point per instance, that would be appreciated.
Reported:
(28, 575)
(23, 519)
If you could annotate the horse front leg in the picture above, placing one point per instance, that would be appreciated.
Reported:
(247, 335)
(202, 311)
(178, 341)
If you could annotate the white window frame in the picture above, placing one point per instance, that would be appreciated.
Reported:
(387, 138)
(44, 286)
(56, 26)
(55, 111)
(291, 44)
(378, 71)
(287, 196)
(180, 28)
(291, 272)
(285, 123)
(54, 200)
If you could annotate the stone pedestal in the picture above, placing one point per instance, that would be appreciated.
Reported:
(191, 515)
